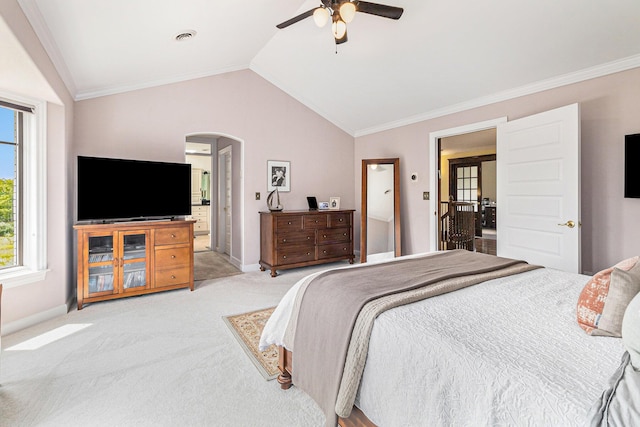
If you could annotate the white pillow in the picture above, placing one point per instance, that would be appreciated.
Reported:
(631, 331)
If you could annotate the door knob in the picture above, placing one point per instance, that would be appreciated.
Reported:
(569, 224)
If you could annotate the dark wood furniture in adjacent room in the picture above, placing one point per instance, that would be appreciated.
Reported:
(124, 259)
(489, 217)
(290, 239)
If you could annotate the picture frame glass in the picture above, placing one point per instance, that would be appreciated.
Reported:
(278, 176)
(334, 202)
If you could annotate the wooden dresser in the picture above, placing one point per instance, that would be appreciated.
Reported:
(290, 239)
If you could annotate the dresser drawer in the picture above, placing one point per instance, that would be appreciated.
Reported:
(289, 223)
(296, 253)
(199, 215)
(339, 220)
(333, 235)
(171, 257)
(334, 250)
(199, 210)
(295, 238)
(172, 276)
(313, 222)
(171, 236)
(200, 226)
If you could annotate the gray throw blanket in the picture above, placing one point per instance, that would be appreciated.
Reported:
(332, 303)
(619, 405)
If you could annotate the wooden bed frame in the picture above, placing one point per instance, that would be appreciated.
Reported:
(285, 358)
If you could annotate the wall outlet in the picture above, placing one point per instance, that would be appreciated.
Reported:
(257, 195)
(425, 195)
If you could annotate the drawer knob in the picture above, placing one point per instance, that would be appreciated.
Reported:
(324, 235)
(173, 277)
(324, 251)
(284, 257)
(289, 222)
(284, 240)
(344, 249)
(341, 219)
(344, 234)
(308, 253)
(173, 236)
(308, 237)
(173, 256)
(316, 221)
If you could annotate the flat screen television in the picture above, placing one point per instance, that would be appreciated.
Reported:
(632, 166)
(120, 189)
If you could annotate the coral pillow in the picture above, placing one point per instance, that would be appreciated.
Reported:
(593, 298)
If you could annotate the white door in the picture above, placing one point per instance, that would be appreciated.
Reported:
(228, 211)
(538, 189)
(196, 191)
(224, 200)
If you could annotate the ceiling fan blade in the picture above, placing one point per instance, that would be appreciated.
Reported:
(377, 9)
(295, 19)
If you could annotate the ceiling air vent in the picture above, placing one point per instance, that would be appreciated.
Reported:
(185, 35)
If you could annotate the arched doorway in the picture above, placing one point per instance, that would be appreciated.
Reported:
(221, 191)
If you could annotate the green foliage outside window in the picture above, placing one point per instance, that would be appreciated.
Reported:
(7, 234)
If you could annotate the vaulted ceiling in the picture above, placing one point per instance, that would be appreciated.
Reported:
(440, 57)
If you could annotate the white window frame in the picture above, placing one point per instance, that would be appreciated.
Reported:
(34, 196)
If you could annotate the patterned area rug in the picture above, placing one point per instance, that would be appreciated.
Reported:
(247, 328)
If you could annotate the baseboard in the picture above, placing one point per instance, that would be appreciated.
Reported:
(15, 326)
(247, 268)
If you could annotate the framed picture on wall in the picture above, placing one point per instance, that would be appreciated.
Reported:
(334, 202)
(278, 175)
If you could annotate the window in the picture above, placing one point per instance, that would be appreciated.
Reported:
(467, 183)
(23, 172)
(10, 158)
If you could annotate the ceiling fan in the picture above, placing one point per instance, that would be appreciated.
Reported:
(341, 13)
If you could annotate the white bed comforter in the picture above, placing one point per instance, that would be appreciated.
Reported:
(507, 352)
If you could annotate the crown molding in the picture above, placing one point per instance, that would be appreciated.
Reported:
(552, 83)
(34, 16)
(115, 89)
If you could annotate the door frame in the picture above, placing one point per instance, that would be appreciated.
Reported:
(469, 161)
(434, 154)
(240, 212)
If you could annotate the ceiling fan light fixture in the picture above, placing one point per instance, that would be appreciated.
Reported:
(338, 28)
(347, 11)
(321, 16)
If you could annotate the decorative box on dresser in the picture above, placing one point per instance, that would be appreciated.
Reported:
(124, 259)
(290, 239)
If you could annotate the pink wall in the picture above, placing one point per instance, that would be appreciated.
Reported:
(30, 303)
(610, 109)
(152, 124)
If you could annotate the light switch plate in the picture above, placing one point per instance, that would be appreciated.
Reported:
(257, 195)
(425, 195)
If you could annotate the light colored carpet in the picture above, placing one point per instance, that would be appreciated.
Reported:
(212, 265)
(247, 328)
(164, 359)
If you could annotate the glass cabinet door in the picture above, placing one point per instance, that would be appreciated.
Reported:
(101, 264)
(134, 260)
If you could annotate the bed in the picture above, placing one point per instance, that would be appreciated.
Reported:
(504, 351)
